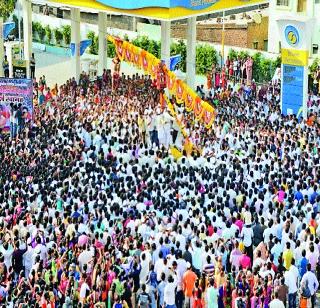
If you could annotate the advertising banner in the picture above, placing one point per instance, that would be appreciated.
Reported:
(19, 69)
(14, 92)
(164, 10)
(292, 87)
(295, 43)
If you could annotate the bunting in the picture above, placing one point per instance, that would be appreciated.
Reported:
(149, 63)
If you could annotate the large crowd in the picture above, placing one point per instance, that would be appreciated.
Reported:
(95, 211)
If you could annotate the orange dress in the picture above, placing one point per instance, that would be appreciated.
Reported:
(209, 80)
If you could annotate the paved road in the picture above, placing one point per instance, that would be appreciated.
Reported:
(58, 69)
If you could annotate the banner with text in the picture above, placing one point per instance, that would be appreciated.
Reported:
(16, 92)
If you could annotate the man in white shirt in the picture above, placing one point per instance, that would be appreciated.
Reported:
(276, 302)
(310, 278)
(291, 283)
(170, 292)
(83, 291)
(247, 235)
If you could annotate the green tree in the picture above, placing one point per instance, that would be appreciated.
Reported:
(256, 73)
(93, 49)
(180, 48)
(66, 31)
(48, 33)
(313, 67)
(152, 48)
(265, 70)
(41, 32)
(58, 36)
(205, 57)
(6, 8)
(233, 54)
(243, 54)
(111, 50)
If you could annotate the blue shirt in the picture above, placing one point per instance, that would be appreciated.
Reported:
(165, 250)
(303, 266)
(298, 196)
(313, 197)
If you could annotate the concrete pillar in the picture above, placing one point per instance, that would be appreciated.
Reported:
(75, 38)
(102, 28)
(191, 51)
(134, 24)
(165, 42)
(27, 33)
(1, 46)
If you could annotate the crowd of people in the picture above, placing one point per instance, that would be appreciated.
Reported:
(97, 212)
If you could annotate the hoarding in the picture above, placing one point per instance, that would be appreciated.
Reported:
(15, 91)
(162, 10)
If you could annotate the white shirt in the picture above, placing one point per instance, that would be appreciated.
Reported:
(247, 235)
(83, 289)
(276, 303)
(170, 293)
(313, 283)
(290, 282)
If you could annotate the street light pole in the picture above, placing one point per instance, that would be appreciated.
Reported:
(223, 36)
(19, 27)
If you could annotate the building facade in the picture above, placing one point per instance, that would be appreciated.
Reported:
(292, 8)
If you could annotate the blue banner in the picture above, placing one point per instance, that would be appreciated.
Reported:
(73, 49)
(16, 91)
(174, 61)
(292, 88)
(83, 46)
(7, 28)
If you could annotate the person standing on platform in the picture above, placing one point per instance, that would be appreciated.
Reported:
(5, 66)
(32, 66)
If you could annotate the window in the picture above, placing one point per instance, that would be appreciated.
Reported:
(255, 45)
(302, 6)
(315, 49)
(265, 45)
(283, 2)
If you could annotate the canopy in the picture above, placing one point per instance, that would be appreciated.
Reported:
(160, 10)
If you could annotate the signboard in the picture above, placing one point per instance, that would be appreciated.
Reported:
(292, 87)
(15, 91)
(295, 41)
(19, 69)
(163, 10)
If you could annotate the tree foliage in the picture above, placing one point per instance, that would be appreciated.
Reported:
(263, 68)
(94, 48)
(48, 32)
(58, 36)
(6, 8)
(66, 31)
